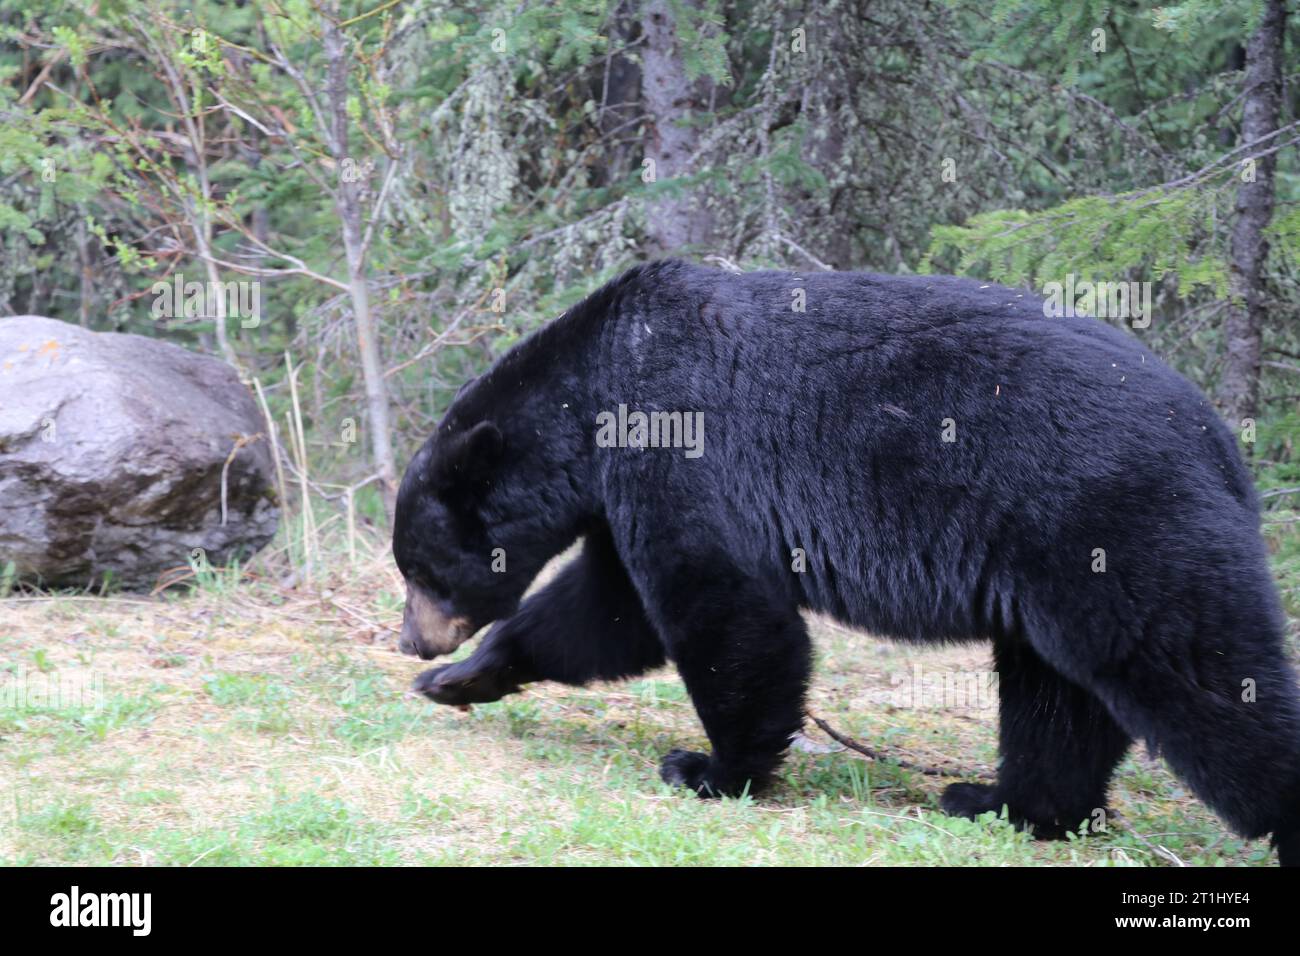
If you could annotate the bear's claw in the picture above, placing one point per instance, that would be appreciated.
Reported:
(456, 685)
(687, 768)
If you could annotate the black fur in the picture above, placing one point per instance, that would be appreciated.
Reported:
(823, 431)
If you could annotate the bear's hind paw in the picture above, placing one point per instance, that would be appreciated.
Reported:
(969, 800)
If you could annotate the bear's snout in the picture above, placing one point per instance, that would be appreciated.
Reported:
(411, 644)
(426, 630)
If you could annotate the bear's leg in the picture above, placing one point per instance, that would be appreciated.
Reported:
(745, 662)
(587, 624)
(1058, 745)
(1198, 672)
(1224, 712)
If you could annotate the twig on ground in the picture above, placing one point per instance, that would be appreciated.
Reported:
(879, 755)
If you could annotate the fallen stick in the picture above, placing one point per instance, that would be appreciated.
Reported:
(878, 756)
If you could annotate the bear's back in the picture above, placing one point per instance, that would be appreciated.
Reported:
(904, 407)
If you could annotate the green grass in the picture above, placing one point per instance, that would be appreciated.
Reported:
(249, 726)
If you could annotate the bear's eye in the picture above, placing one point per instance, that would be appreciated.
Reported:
(426, 582)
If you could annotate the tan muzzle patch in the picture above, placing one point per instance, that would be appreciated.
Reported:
(426, 631)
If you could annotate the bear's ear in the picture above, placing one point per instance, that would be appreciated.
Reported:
(468, 458)
(484, 442)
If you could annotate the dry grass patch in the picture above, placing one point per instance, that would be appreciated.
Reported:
(252, 722)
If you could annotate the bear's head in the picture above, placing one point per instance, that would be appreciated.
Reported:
(444, 545)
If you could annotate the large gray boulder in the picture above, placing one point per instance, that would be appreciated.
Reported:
(112, 448)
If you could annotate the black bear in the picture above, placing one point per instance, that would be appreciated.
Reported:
(921, 457)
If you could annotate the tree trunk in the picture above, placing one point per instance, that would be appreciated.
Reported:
(1239, 388)
(348, 204)
(617, 89)
(199, 214)
(84, 260)
(824, 149)
(216, 298)
(673, 222)
(372, 372)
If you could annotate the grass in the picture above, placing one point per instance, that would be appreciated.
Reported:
(245, 722)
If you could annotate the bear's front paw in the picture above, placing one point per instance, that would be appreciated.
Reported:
(457, 685)
(707, 777)
(687, 768)
(969, 800)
